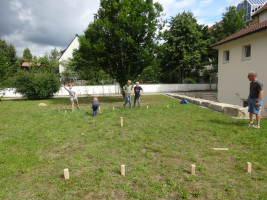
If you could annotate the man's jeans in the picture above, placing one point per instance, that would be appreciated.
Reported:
(128, 99)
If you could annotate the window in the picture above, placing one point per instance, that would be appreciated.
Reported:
(226, 56)
(246, 52)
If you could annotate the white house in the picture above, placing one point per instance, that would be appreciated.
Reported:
(239, 54)
(67, 53)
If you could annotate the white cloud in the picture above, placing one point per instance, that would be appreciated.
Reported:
(233, 2)
(196, 12)
(221, 10)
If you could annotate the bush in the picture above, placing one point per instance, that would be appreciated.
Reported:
(37, 86)
(189, 80)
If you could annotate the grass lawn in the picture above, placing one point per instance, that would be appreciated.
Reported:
(157, 145)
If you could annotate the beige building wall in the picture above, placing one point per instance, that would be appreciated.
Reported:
(233, 85)
(68, 53)
(263, 16)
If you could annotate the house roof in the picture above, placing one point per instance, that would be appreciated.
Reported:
(244, 32)
(263, 8)
(212, 27)
(63, 51)
(27, 64)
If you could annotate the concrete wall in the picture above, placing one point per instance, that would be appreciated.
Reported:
(115, 89)
(233, 84)
(68, 53)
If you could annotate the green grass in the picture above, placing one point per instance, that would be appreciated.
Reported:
(157, 145)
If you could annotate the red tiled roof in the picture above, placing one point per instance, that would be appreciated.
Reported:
(212, 27)
(244, 32)
(263, 8)
(27, 64)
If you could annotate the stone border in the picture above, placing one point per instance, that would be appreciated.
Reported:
(228, 109)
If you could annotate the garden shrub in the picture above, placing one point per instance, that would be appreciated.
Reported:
(37, 85)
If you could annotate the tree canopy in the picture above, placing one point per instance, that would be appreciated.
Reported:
(27, 56)
(120, 40)
(184, 48)
(8, 62)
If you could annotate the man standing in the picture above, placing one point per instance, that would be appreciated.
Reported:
(137, 94)
(254, 99)
(128, 91)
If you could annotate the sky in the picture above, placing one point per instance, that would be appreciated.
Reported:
(42, 25)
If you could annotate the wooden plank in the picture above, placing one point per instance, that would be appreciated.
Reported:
(220, 149)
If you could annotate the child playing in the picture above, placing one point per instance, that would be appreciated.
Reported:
(95, 106)
(73, 96)
(137, 93)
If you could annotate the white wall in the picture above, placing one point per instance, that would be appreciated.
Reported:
(68, 53)
(233, 84)
(115, 89)
(263, 16)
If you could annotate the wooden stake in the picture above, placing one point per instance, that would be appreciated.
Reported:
(220, 149)
(66, 174)
(193, 169)
(65, 111)
(249, 167)
(147, 107)
(123, 170)
(167, 106)
(174, 104)
(121, 121)
(113, 108)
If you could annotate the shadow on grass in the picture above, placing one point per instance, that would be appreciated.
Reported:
(228, 123)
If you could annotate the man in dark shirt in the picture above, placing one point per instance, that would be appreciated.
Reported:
(254, 99)
(137, 94)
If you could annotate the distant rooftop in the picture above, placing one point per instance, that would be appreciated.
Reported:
(28, 64)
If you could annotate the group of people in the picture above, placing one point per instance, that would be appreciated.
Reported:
(73, 97)
(128, 89)
(254, 99)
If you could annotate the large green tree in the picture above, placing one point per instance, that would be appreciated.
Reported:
(121, 39)
(184, 49)
(8, 63)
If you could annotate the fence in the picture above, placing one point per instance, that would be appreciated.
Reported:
(115, 89)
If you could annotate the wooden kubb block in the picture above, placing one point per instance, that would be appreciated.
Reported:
(66, 174)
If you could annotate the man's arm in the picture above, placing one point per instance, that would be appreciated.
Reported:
(259, 98)
(260, 95)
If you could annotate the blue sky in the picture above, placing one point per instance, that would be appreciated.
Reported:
(206, 11)
(42, 25)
